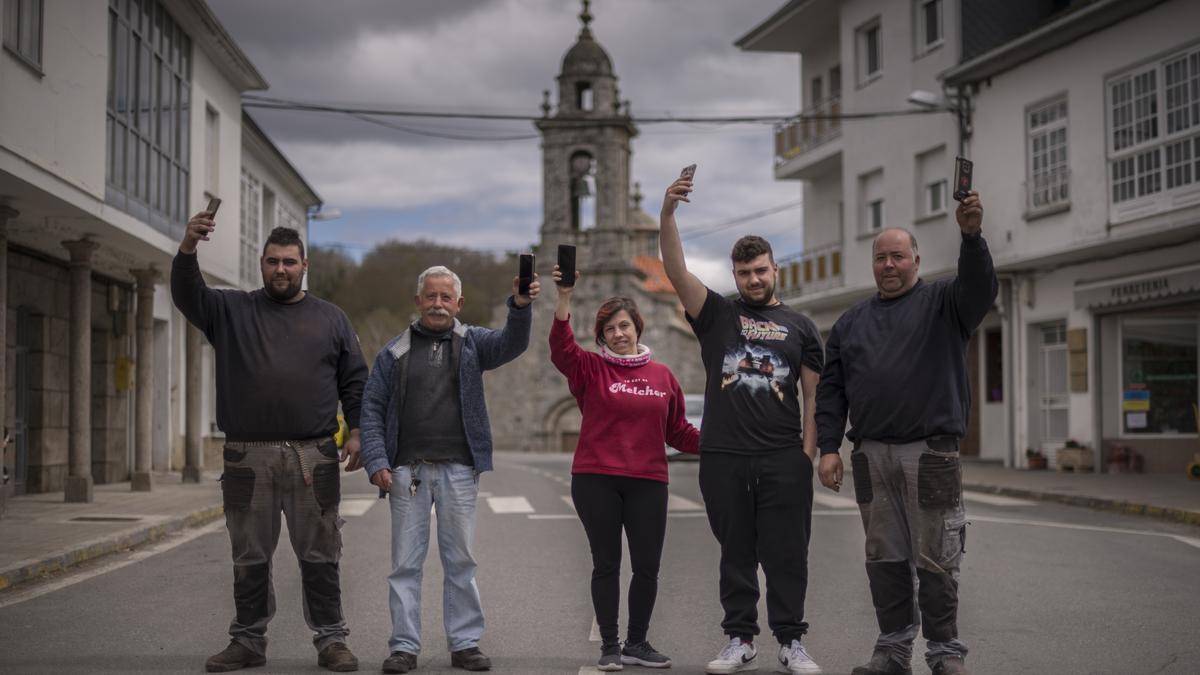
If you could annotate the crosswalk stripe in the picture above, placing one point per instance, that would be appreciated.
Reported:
(994, 500)
(833, 501)
(356, 506)
(570, 502)
(509, 505)
(677, 503)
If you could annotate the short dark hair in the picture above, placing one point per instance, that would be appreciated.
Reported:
(284, 236)
(750, 247)
(610, 308)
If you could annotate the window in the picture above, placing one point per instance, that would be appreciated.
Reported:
(1046, 149)
(835, 82)
(1054, 380)
(928, 23)
(148, 123)
(583, 96)
(993, 360)
(931, 182)
(1159, 375)
(869, 52)
(23, 30)
(251, 234)
(212, 151)
(817, 92)
(1154, 128)
(870, 187)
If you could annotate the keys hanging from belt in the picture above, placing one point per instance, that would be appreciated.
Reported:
(415, 471)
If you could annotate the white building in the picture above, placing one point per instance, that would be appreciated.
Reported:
(1084, 125)
(117, 121)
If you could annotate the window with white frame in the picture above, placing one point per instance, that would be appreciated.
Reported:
(251, 231)
(212, 150)
(1046, 150)
(23, 30)
(1054, 380)
(870, 190)
(869, 43)
(1159, 386)
(1154, 128)
(931, 182)
(927, 21)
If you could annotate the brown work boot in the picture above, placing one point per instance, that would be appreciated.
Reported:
(470, 659)
(338, 658)
(400, 662)
(233, 657)
(882, 663)
(950, 665)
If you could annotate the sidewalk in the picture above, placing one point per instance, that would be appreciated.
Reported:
(41, 535)
(1169, 497)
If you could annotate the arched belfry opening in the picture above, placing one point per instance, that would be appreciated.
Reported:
(583, 191)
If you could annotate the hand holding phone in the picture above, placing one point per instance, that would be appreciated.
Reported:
(525, 274)
(214, 203)
(962, 177)
(688, 171)
(566, 264)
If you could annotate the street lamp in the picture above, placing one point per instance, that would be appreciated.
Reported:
(960, 105)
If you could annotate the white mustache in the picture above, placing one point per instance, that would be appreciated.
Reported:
(438, 312)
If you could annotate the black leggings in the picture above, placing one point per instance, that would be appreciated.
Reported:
(606, 504)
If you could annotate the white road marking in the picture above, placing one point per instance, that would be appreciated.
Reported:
(834, 501)
(677, 503)
(1190, 541)
(590, 670)
(483, 495)
(509, 505)
(994, 500)
(570, 502)
(594, 636)
(356, 506)
(19, 596)
(552, 516)
(1087, 528)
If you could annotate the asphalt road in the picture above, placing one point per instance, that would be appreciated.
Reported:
(1045, 589)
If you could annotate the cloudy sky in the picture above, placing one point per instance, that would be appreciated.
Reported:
(672, 57)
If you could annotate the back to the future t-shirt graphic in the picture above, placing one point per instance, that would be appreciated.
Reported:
(758, 368)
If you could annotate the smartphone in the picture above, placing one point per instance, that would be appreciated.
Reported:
(688, 171)
(962, 178)
(214, 203)
(566, 264)
(525, 277)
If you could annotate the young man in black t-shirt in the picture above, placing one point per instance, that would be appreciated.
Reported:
(762, 362)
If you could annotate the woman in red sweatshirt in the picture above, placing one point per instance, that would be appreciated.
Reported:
(630, 406)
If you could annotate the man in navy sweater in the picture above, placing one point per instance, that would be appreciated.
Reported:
(896, 364)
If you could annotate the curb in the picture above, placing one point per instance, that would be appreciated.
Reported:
(1166, 513)
(61, 561)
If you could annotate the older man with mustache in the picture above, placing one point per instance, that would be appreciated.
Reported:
(425, 440)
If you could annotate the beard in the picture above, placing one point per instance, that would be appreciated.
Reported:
(769, 295)
(284, 295)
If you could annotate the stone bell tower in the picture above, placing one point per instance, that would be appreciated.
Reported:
(587, 202)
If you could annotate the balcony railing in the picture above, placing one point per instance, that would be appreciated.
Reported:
(811, 271)
(1048, 191)
(808, 130)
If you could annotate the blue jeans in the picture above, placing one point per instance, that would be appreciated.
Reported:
(453, 488)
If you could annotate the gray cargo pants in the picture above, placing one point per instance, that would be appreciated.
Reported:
(910, 498)
(299, 479)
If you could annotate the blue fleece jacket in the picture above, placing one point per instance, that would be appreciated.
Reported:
(476, 349)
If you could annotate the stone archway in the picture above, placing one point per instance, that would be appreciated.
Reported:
(561, 425)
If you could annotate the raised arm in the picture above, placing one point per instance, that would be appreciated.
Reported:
(975, 288)
(195, 300)
(688, 287)
(498, 347)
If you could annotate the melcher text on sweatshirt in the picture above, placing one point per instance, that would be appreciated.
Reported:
(898, 367)
(628, 411)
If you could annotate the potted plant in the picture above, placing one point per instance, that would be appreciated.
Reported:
(1035, 459)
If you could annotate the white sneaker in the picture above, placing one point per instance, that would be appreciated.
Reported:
(736, 657)
(795, 659)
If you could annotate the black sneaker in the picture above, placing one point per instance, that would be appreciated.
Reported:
(882, 663)
(642, 654)
(233, 657)
(610, 657)
(470, 659)
(400, 662)
(950, 665)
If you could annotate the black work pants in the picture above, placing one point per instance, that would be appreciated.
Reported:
(606, 505)
(760, 510)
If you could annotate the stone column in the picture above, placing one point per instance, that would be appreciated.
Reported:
(79, 444)
(6, 213)
(144, 401)
(193, 457)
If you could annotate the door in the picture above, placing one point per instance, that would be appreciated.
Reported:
(1053, 385)
(23, 391)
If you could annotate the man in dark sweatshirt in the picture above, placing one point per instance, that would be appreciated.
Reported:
(896, 363)
(284, 360)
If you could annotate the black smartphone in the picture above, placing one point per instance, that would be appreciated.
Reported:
(688, 171)
(566, 264)
(214, 203)
(525, 276)
(962, 178)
